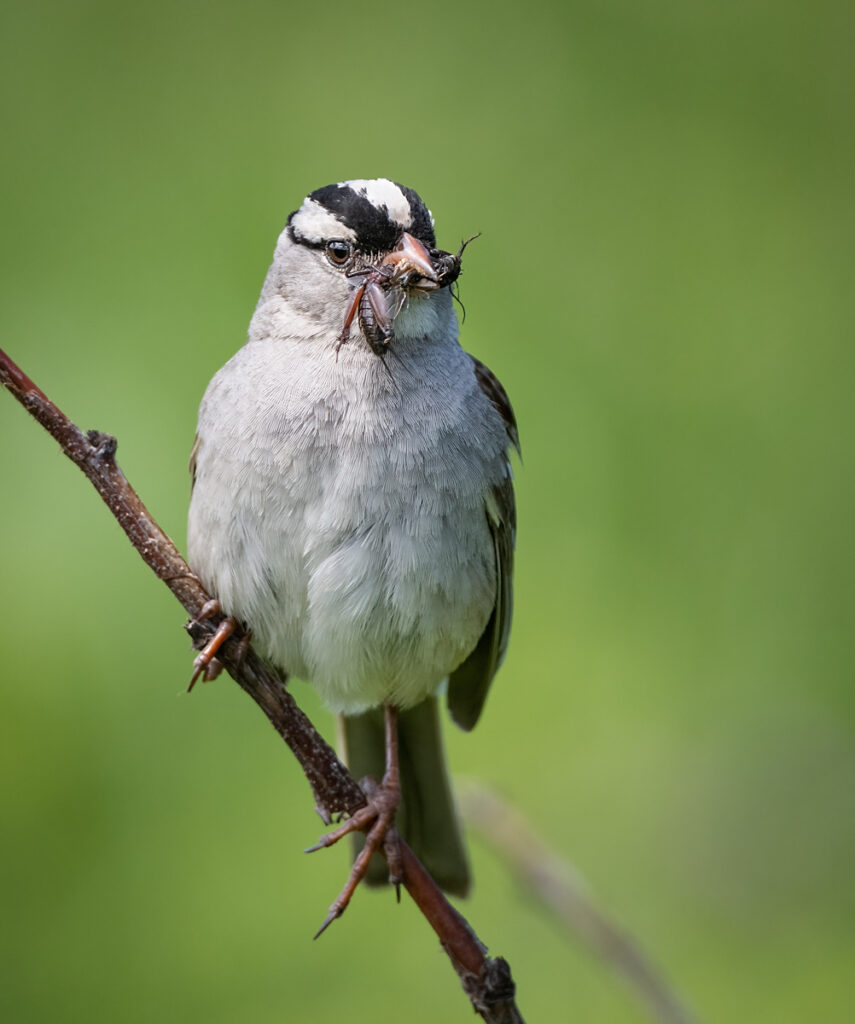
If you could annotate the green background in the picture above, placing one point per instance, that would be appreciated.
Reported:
(664, 285)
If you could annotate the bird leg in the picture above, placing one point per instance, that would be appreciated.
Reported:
(377, 819)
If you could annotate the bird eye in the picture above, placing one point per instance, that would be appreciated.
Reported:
(339, 253)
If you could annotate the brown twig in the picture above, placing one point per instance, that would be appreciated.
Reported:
(486, 981)
(558, 887)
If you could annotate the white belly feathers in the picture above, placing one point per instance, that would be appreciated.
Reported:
(358, 552)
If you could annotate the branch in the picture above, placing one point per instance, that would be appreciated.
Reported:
(486, 981)
(559, 888)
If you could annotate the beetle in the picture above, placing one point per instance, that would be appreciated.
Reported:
(382, 293)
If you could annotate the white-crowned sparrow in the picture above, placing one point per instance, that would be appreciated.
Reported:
(352, 501)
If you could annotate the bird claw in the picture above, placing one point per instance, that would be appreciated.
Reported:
(392, 852)
(328, 920)
(206, 665)
(381, 807)
(377, 818)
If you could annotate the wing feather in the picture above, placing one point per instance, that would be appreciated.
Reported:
(197, 441)
(470, 681)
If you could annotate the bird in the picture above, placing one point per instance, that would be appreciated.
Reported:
(352, 505)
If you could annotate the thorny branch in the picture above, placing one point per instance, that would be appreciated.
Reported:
(485, 980)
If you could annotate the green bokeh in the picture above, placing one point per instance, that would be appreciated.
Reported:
(663, 283)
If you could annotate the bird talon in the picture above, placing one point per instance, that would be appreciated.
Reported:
(377, 818)
(392, 852)
(212, 670)
(355, 823)
(242, 647)
(209, 609)
(206, 658)
(328, 920)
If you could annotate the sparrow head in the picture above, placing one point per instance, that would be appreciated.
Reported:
(361, 257)
(369, 214)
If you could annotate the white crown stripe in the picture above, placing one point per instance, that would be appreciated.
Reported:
(315, 223)
(384, 194)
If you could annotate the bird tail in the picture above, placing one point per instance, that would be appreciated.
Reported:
(427, 818)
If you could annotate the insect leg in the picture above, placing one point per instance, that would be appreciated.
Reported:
(352, 307)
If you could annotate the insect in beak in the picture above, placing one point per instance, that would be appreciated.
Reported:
(411, 265)
(447, 264)
(384, 288)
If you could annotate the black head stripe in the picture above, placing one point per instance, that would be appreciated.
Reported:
(422, 226)
(375, 228)
(375, 231)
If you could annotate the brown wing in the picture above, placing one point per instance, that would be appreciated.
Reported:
(470, 681)
(489, 384)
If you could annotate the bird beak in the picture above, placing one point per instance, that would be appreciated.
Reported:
(411, 264)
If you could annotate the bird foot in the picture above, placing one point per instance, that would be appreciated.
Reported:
(377, 819)
(206, 664)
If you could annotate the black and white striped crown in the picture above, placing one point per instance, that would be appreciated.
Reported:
(371, 213)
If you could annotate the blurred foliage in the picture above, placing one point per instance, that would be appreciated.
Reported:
(664, 286)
